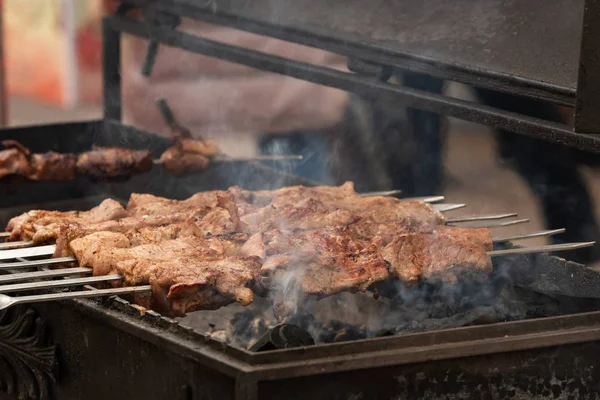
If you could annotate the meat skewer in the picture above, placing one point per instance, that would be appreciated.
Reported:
(113, 163)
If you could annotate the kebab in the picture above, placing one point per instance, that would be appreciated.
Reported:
(341, 270)
(186, 156)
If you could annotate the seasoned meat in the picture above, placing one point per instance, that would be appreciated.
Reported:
(109, 162)
(153, 228)
(436, 256)
(183, 284)
(291, 195)
(207, 148)
(310, 214)
(178, 162)
(381, 234)
(53, 166)
(13, 162)
(194, 273)
(25, 226)
(13, 144)
(319, 262)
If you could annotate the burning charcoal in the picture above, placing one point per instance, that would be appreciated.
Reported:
(284, 336)
(246, 326)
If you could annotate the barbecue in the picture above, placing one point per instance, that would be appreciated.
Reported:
(528, 321)
(197, 254)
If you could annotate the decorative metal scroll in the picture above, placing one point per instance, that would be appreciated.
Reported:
(28, 359)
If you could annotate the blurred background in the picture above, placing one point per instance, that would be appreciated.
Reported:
(52, 73)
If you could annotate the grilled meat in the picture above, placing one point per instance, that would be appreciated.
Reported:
(186, 274)
(381, 234)
(436, 256)
(289, 196)
(98, 163)
(25, 226)
(108, 162)
(178, 162)
(13, 162)
(207, 148)
(52, 166)
(310, 214)
(319, 262)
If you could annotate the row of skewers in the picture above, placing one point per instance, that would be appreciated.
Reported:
(220, 247)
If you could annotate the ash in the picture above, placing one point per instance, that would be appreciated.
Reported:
(348, 316)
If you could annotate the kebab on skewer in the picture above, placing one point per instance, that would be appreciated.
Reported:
(345, 262)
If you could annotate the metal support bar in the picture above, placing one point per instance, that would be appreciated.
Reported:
(111, 69)
(411, 62)
(587, 108)
(461, 109)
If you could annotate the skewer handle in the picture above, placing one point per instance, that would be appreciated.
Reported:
(6, 301)
(19, 287)
(52, 273)
(36, 263)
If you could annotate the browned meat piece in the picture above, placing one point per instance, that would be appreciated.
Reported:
(155, 228)
(291, 195)
(186, 274)
(319, 262)
(178, 162)
(307, 215)
(109, 162)
(13, 144)
(13, 162)
(381, 234)
(25, 226)
(193, 283)
(207, 148)
(435, 256)
(479, 236)
(53, 166)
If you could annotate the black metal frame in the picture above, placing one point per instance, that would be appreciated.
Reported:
(586, 123)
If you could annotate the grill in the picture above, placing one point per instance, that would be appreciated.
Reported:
(111, 348)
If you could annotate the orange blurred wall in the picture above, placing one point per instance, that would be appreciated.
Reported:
(53, 50)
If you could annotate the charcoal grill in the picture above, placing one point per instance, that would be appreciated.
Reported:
(90, 349)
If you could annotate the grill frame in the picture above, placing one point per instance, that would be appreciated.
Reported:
(196, 367)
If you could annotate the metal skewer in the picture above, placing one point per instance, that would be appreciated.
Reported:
(541, 249)
(15, 245)
(481, 218)
(386, 193)
(37, 263)
(496, 224)
(6, 301)
(448, 207)
(27, 252)
(4, 235)
(19, 287)
(529, 235)
(51, 273)
(428, 199)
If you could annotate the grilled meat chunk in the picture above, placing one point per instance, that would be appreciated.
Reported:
(436, 256)
(319, 262)
(109, 162)
(178, 162)
(310, 214)
(207, 148)
(13, 162)
(291, 195)
(381, 234)
(53, 166)
(186, 274)
(25, 226)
